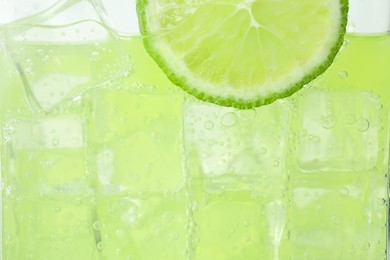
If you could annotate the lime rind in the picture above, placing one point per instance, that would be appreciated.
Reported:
(233, 101)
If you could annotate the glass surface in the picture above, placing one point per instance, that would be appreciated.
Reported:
(102, 157)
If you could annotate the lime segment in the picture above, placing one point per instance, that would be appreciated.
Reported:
(242, 53)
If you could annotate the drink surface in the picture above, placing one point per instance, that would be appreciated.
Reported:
(136, 169)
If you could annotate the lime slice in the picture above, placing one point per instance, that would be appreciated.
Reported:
(242, 53)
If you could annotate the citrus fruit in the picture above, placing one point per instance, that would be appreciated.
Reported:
(242, 53)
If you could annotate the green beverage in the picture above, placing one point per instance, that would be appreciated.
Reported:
(103, 157)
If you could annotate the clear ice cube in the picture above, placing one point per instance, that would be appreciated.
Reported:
(340, 134)
(136, 140)
(56, 63)
(45, 157)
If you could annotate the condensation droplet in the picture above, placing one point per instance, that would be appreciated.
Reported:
(343, 74)
(328, 122)
(362, 124)
(208, 125)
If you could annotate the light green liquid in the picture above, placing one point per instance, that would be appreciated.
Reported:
(137, 169)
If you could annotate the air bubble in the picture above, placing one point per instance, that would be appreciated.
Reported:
(343, 74)
(263, 150)
(229, 119)
(351, 26)
(49, 164)
(276, 163)
(100, 245)
(351, 251)
(175, 236)
(168, 217)
(247, 114)
(365, 246)
(336, 220)
(328, 122)
(96, 225)
(40, 52)
(95, 56)
(362, 124)
(46, 58)
(208, 125)
(55, 142)
(344, 191)
(381, 202)
(350, 119)
(120, 233)
(28, 70)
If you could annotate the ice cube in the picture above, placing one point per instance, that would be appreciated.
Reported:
(341, 214)
(235, 225)
(153, 227)
(11, 10)
(47, 229)
(230, 146)
(136, 140)
(49, 133)
(337, 176)
(340, 134)
(48, 12)
(119, 15)
(45, 157)
(57, 63)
